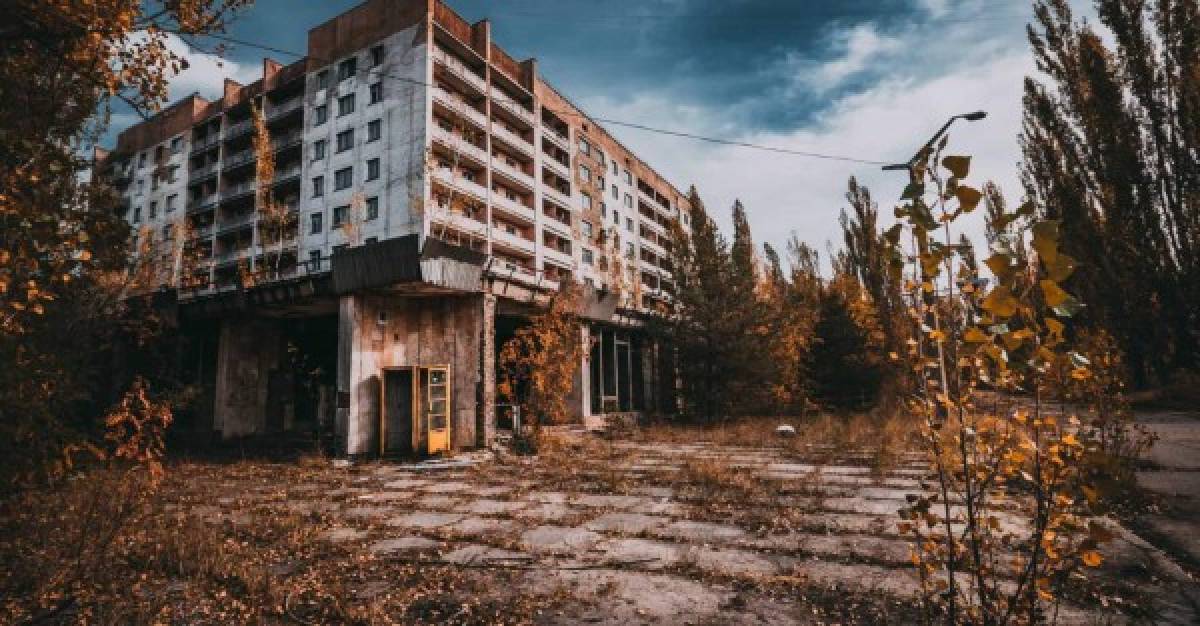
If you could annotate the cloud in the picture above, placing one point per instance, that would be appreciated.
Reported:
(858, 46)
(206, 72)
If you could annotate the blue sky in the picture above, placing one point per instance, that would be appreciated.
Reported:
(869, 79)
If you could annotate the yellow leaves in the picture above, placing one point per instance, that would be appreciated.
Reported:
(1001, 302)
(974, 335)
(960, 166)
(1091, 558)
(968, 198)
(1060, 267)
(1054, 294)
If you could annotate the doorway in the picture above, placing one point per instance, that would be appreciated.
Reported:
(415, 415)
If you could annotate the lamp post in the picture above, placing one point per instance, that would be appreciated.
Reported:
(924, 151)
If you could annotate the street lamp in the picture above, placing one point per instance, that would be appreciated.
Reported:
(924, 151)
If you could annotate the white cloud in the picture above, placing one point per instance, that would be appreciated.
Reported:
(206, 72)
(858, 47)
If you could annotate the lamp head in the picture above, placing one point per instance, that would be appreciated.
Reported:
(974, 117)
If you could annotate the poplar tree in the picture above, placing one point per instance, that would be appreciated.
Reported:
(1111, 147)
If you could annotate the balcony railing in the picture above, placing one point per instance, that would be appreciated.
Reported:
(518, 175)
(558, 256)
(448, 178)
(554, 165)
(202, 172)
(513, 240)
(202, 204)
(237, 222)
(512, 139)
(288, 140)
(460, 144)
(205, 143)
(459, 106)
(562, 141)
(459, 69)
(237, 159)
(557, 196)
(458, 221)
(285, 107)
(513, 208)
(501, 99)
(240, 128)
(238, 190)
(283, 176)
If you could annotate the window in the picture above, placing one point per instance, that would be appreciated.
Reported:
(176, 145)
(585, 147)
(318, 186)
(603, 209)
(587, 202)
(629, 224)
(318, 149)
(171, 202)
(343, 178)
(600, 183)
(629, 253)
(345, 140)
(141, 160)
(373, 169)
(137, 214)
(376, 92)
(339, 215)
(322, 113)
(587, 229)
(346, 104)
(374, 130)
(377, 56)
(347, 68)
(628, 178)
(153, 210)
(587, 257)
(315, 224)
(372, 208)
(616, 217)
(153, 182)
(171, 173)
(141, 184)
(371, 240)
(628, 201)
(585, 173)
(314, 260)
(322, 79)
(616, 193)
(616, 170)
(158, 154)
(167, 233)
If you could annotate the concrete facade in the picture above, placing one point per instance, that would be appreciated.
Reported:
(404, 122)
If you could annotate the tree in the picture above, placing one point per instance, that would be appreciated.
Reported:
(846, 356)
(1112, 150)
(276, 221)
(63, 246)
(538, 363)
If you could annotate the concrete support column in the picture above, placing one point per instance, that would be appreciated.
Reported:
(345, 357)
(486, 430)
(247, 350)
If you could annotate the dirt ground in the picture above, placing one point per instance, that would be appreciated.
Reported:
(657, 527)
(628, 531)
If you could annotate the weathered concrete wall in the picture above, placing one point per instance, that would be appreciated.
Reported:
(247, 351)
(378, 331)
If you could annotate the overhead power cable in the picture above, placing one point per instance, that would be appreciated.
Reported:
(642, 127)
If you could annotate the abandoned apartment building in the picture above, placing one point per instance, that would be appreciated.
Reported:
(439, 192)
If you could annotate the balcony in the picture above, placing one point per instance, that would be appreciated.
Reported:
(653, 246)
(517, 111)
(557, 227)
(513, 208)
(203, 231)
(202, 204)
(448, 178)
(459, 69)
(513, 240)
(456, 220)
(238, 129)
(556, 166)
(653, 202)
(562, 141)
(512, 173)
(557, 196)
(201, 145)
(237, 222)
(286, 175)
(459, 144)
(238, 159)
(287, 140)
(558, 256)
(285, 107)
(513, 140)
(202, 172)
(237, 190)
(460, 107)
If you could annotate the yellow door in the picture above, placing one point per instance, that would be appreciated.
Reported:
(435, 397)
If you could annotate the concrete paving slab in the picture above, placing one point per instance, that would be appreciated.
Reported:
(367, 512)
(388, 496)
(406, 483)
(477, 554)
(425, 519)
(701, 531)
(607, 501)
(340, 535)
(550, 512)
(633, 598)
(447, 487)
(646, 553)
(730, 562)
(484, 527)
(558, 540)
(548, 497)
(491, 507)
(438, 501)
(626, 523)
(402, 544)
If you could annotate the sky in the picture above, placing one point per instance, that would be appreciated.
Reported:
(865, 79)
